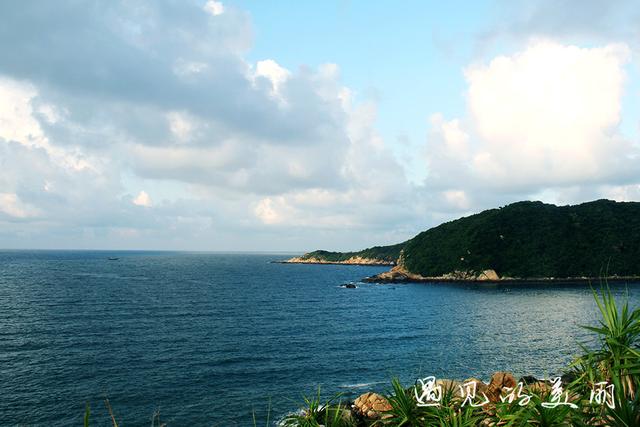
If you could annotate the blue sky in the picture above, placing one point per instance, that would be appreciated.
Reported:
(407, 58)
(290, 126)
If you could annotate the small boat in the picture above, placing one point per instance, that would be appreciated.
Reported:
(113, 258)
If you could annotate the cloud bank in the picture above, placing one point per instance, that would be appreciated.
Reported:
(144, 125)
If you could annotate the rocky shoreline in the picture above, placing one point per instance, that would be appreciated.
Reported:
(527, 281)
(372, 406)
(398, 275)
(351, 261)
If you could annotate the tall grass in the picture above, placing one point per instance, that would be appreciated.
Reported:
(315, 413)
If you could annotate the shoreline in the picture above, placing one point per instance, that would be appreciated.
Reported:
(365, 264)
(457, 280)
(531, 281)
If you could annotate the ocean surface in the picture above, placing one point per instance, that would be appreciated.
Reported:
(211, 339)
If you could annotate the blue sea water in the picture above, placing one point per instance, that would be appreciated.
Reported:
(210, 339)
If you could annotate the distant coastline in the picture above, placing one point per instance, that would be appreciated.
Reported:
(351, 261)
(508, 281)
(397, 275)
(524, 242)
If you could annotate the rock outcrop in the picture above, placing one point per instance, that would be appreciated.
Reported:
(355, 260)
(481, 387)
(400, 274)
(499, 381)
(371, 405)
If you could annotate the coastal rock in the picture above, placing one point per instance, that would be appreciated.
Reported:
(449, 386)
(400, 274)
(397, 274)
(568, 378)
(488, 275)
(499, 380)
(354, 260)
(481, 387)
(528, 379)
(458, 275)
(371, 405)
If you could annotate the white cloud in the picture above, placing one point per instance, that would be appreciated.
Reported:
(545, 116)
(11, 205)
(271, 211)
(213, 7)
(457, 199)
(188, 68)
(623, 193)
(275, 73)
(168, 101)
(143, 199)
(19, 122)
(16, 119)
(181, 125)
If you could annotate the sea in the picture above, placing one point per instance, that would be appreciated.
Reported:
(212, 339)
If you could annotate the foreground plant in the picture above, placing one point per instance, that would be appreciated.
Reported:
(619, 333)
(404, 408)
(255, 421)
(315, 414)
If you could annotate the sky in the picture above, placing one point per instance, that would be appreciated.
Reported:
(292, 126)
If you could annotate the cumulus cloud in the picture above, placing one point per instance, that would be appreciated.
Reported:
(276, 74)
(160, 95)
(214, 7)
(590, 22)
(11, 205)
(545, 117)
(542, 123)
(142, 199)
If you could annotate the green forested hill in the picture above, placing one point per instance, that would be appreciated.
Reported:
(382, 253)
(525, 240)
(533, 239)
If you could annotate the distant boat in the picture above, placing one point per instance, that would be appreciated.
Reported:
(112, 258)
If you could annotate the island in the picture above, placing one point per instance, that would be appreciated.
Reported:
(524, 241)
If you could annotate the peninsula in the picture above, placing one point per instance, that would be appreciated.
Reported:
(523, 241)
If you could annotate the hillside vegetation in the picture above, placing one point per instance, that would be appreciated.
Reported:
(533, 239)
(524, 240)
(388, 254)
